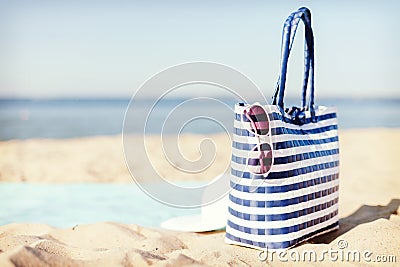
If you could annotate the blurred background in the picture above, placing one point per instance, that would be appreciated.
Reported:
(69, 68)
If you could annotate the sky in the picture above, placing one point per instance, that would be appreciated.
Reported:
(55, 49)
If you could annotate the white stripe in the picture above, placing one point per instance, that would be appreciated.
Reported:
(284, 223)
(278, 123)
(284, 137)
(285, 209)
(287, 166)
(308, 126)
(254, 140)
(281, 238)
(287, 151)
(284, 181)
(284, 195)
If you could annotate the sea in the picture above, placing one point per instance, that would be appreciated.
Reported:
(72, 118)
(66, 205)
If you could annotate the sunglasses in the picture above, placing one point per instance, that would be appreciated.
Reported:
(260, 127)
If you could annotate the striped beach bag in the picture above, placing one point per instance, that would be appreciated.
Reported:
(285, 162)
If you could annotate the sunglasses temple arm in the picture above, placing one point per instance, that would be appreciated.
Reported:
(262, 155)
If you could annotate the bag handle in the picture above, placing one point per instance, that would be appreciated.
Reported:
(289, 32)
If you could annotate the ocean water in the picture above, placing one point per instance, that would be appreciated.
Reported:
(69, 118)
(66, 205)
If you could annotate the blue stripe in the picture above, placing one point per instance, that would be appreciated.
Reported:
(286, 144)
(262, 189)
(277, 116)
(286, 174)
(283, 230)
(299, 143)
(281, 245)
(250, 147)
(288, 159)
(283, 216)
(284, 130)
(283, 202)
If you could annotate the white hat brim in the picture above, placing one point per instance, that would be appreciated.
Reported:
(193, 223)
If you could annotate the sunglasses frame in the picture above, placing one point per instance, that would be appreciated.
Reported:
(253, 129)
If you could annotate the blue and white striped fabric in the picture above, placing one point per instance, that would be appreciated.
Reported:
(296, 196)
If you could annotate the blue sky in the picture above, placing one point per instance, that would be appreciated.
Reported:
(108, 49)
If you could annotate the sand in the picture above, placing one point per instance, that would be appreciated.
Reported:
(100, 159)
(369, 207)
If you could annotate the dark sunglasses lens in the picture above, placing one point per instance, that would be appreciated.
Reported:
(260, 120)
(264, 162)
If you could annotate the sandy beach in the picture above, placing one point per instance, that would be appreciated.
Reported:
(369, 206)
